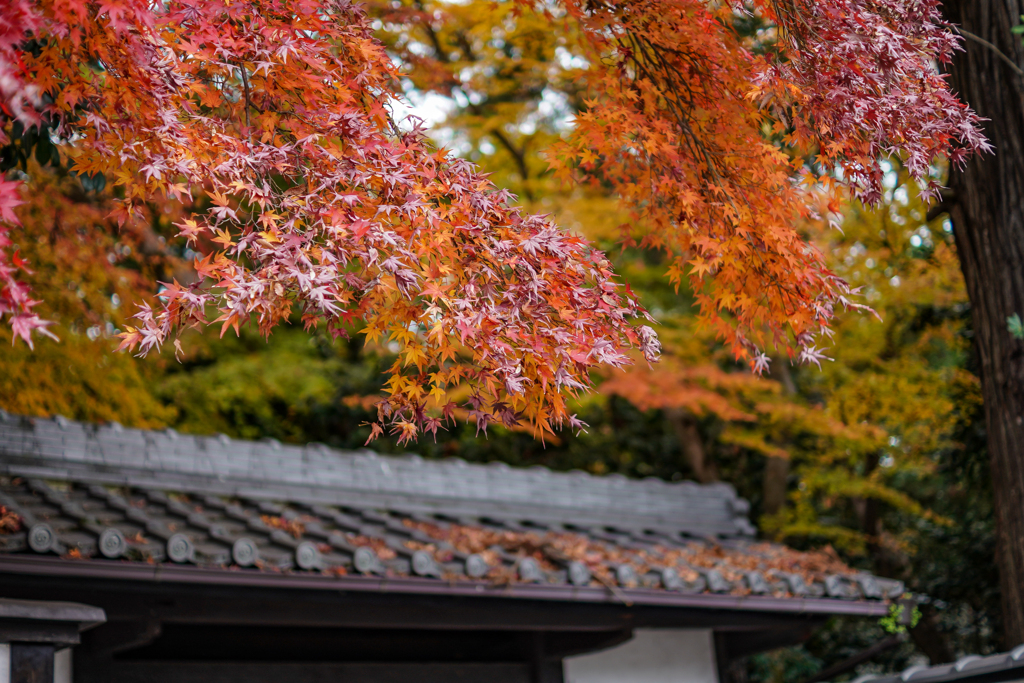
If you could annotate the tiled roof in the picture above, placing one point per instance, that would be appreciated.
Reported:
(86, 491)
(1005, 666)
(268, 470)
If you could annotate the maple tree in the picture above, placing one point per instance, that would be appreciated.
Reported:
(319, 203)
(502, 75)
(829, 444)
(278, 111)
(86, 272)
(864, 454)
(703, 415)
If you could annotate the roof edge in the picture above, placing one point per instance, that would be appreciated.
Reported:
(189, 575)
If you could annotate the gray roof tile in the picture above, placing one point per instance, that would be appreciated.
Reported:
(1004, 666)
(168, 497)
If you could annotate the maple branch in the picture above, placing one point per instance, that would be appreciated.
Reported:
(466, 47)
(434, 39)
(648, 60)
(248, 102)
(518, 156)
(944, 205)
(787, 13)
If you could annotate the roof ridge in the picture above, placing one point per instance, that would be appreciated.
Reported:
(111, 453)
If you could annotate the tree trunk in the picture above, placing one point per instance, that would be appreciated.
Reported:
(776, 470)
(692, 444)
(930, 640)
(987, 210)
(775, 484)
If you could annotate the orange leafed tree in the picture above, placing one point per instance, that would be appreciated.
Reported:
(324, 207)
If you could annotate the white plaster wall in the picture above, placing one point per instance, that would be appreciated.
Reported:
(651, 656)
(62, 666)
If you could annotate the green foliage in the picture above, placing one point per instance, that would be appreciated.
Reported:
(1015, 326)
(247, 397)
(77, 378)
(839, 639)
(895, 382)
(790, 665)
(897, 621)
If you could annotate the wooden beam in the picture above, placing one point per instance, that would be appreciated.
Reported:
(118, 636)
(31, 663)
(246, 643)
(230, 672)
(32, 631)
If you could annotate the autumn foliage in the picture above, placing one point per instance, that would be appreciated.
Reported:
(322, 207)
(709, 142)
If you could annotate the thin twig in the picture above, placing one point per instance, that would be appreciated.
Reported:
(999, 53)
(248, 102)
(614, 590)
(858, 659)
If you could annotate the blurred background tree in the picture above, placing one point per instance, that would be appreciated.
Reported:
(879, 454)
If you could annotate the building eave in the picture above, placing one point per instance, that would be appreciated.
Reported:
(256, 579)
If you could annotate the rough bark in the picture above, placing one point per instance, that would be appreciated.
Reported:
(987, 211)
